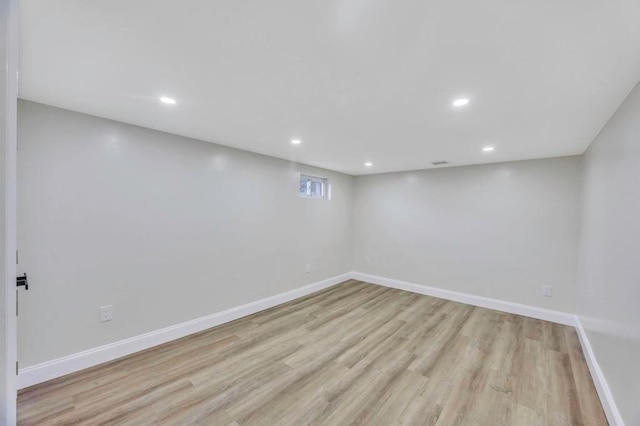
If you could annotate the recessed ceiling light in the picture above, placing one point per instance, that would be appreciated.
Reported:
(460, 102)
(296, 141)
(488, 148)
(166, 100)
(368, 164)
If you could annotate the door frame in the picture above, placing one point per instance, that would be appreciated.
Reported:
(9, 347)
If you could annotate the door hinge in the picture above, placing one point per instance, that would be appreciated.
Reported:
(16, 368)
(23, 281)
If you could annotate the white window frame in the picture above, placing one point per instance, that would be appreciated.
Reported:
(326, 189)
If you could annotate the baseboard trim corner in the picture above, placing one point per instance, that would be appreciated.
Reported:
(604, 393)
(39, 373)
(602, 387)
(470, 299)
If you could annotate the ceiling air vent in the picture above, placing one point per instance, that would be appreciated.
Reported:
(439, 163)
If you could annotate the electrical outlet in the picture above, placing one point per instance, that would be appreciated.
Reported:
(307, 268)
(367, 261)
(547, 291)
(106, 313)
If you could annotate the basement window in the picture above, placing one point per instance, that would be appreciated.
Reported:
(314, 187)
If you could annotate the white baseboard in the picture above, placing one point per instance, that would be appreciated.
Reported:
(69, 364)
(606, 398)
(470, 299)
(59, 367)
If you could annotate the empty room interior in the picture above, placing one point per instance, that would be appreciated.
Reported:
(339, 212)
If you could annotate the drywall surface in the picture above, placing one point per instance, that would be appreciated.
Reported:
(163, 228)
(609, 268)
(500, 230)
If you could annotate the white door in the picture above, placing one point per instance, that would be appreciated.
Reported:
(8, 98)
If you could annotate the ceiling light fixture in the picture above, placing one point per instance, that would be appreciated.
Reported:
(368, 164)
(296, 141)
(460, 102)
(166, 100)
(488, 148)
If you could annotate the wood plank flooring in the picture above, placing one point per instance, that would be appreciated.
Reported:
(355, 353)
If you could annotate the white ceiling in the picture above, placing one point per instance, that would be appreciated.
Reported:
(355, 80)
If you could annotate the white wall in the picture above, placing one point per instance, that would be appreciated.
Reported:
(164, 228)
(499, 230)
(169, 229)
(609, 272)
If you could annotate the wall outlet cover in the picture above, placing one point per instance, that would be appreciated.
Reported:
(106, 313)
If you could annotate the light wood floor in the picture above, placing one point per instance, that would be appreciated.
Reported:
(354, 353)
